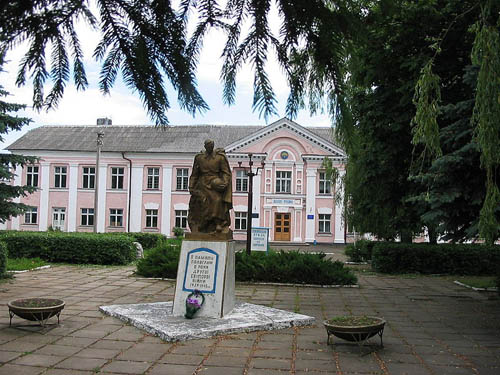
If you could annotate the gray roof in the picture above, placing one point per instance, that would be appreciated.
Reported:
(138, 138)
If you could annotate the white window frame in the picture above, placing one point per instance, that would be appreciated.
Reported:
(241, 181)
(32, 175)
(116, 217)
(88, 178)
(87, 217)
(240, 220)
(325, 185)
(283, 182)
(153, 178)
(60, 176)
(151, 218)
(181, 217)
(182, 182)
(31, 215)
(324, 221)
(117, 177)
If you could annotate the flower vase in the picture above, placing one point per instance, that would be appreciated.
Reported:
(194, 302)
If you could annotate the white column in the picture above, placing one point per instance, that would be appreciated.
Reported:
(101, 191)
(17, 182)
(166, 200)
(73, 190)
(339, 207)
(44, 195)
(310, 204)
(298, 225)
(135, 214)
(256, 200)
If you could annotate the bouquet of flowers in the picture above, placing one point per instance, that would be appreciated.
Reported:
(194, 301)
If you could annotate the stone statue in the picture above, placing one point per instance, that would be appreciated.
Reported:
(210, 186)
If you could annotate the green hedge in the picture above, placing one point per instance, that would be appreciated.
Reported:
(78, 248)
(360, 251)
(3, 259)
(147, 240)
(286, 267)
(460, 259)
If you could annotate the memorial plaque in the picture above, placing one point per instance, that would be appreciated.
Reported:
(201, 271)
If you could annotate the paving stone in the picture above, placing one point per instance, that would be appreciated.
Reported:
(170, 369)
(76, 363)
(407, 369)
(127, 367)
(138, 354)
(8, 356)
(226, 361)
(212, 370)
(112, 344)
(98, 353)
(56, 371)
(9, 369)
(182, 359)
(41, 360)
(275, 363)
(75, 341)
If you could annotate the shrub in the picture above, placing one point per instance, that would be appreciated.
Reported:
(178, 232)
(78, 248)
(3, 259)
(147, 240)
(461, 259)
(286, 267)
(360, 251)
(161, 261)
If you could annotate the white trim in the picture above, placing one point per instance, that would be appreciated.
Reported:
(310, 203)
(17, 182)
(72, 198)
(166, 200)
(298, 225)
(339, 207)
(181, 206)
(101, 191)
(256, 200)
(44, 195)
(325, 210)
(240, 208)
(151, 206)
(135, 184)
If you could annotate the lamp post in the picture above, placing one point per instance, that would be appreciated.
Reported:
(100, 135)
(250, 175)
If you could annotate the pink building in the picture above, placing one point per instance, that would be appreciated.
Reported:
(144, 174)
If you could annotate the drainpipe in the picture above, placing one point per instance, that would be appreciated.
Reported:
(128, 189)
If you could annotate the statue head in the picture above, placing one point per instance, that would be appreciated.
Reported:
(209, 145)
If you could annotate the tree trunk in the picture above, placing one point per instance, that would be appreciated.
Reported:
(406, 236)
(432, 235)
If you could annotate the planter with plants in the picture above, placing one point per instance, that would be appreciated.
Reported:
(36, 309)
(355, 328)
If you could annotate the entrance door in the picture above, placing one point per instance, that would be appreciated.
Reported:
(282, 227)
(58, 218)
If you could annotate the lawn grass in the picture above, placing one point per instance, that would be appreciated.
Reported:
(478, 281)
(22, 264)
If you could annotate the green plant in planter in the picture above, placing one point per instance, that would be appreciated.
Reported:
(178, 232)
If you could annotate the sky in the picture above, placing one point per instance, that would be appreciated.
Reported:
(124, 107)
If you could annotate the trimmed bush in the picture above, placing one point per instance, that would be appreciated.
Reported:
(360, 251)
(147, 240)
(286, 267)
(161, 261)
(460, 259)
(77, 248)
(3, 259)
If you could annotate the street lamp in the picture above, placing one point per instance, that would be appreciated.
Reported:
(100, 135)
(250, 175)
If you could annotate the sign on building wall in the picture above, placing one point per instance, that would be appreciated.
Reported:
(260, 239)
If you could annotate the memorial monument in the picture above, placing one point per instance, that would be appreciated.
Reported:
(206, 263)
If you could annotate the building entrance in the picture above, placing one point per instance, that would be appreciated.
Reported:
(282, 227)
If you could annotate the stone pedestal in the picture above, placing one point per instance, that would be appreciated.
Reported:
(207, 266)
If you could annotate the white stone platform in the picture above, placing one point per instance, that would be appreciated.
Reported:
(157, 319)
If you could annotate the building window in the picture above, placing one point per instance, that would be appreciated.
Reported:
(151, 218)
(32, 176)
(325, 184)
(87, 217)
(283, 181)
(240, 220)
(31, 215)
(116, 217)
(154, 178)
(117, 174)
(88, 178)
(324, 223)
(60, 174)
(182, 179)
(58, 218)
(181, 218)
(241, 180)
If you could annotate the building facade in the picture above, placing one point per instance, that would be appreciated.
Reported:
(143, 178)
